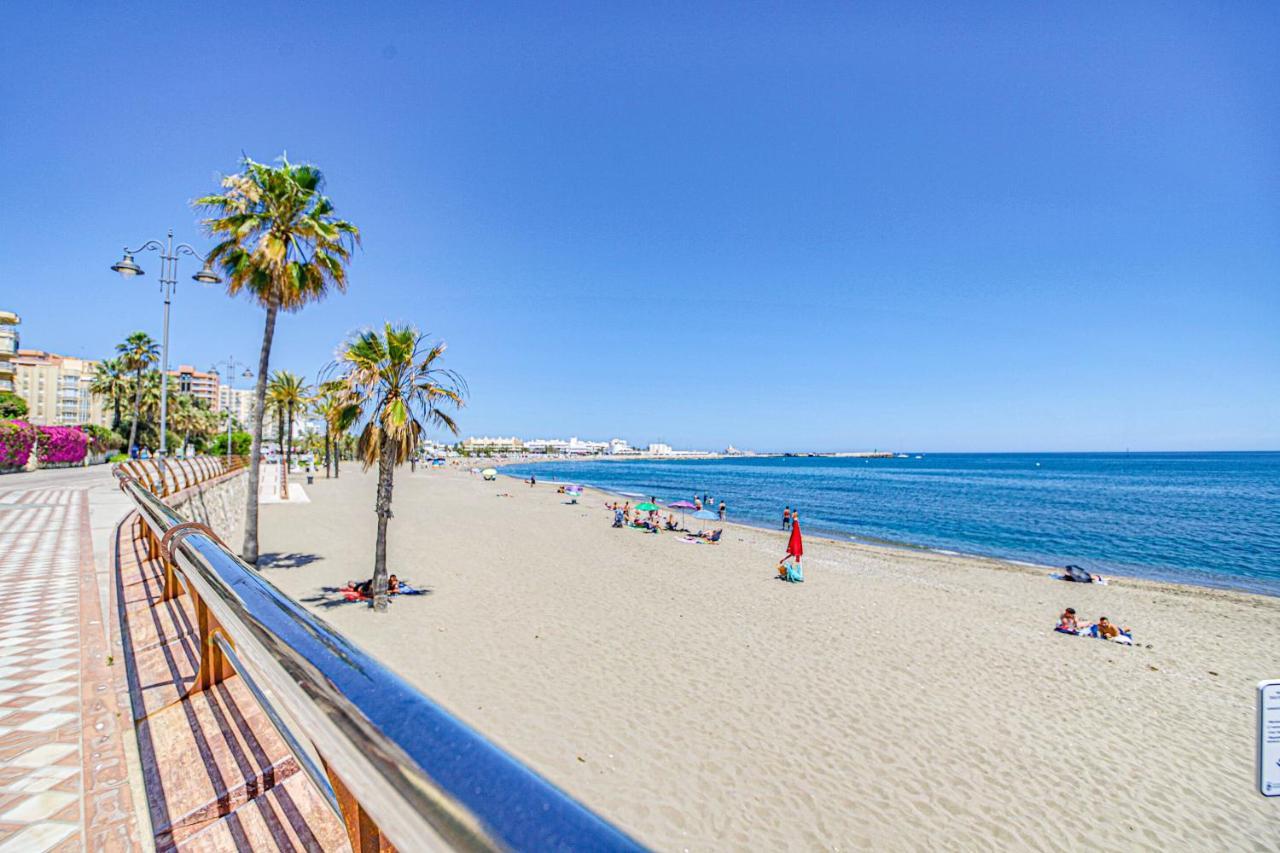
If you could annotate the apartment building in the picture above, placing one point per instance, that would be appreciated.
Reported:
(197, 383)
(8, 349)
(239, 401)
(56, 389)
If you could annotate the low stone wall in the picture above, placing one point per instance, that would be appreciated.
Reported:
(218, 503)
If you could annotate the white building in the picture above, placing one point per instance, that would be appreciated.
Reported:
(660, 449)
(550, 446)
(239, 401)
(578, 447)
(618, 447)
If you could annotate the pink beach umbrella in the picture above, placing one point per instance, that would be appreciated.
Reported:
(682, 506)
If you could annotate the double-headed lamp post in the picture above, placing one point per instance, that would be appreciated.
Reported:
(168, 282)
(231, 364)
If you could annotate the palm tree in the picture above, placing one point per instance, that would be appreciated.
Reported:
(281, 245)
(110, 379)
(328, 404)
(191, 416)
(137, 353)
(289, 393)
(393, 383)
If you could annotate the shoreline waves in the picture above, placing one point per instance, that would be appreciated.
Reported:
(1195, 519)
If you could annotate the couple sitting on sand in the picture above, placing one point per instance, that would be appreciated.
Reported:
(366, 587)
(1102, 629)
(703, 537)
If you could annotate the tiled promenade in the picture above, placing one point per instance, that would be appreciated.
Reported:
(63, 778)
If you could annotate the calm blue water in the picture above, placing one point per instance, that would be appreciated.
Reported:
(1206, 518)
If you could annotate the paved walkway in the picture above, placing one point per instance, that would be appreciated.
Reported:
(64, 783)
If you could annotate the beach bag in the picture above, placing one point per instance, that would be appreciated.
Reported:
(795, 574)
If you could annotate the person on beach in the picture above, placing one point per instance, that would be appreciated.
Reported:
(626, 511)
(697, 504)
(1104, 630)
(1067, 622)
(533, 481)
(722, 510)
(786, 519)
(618, 520)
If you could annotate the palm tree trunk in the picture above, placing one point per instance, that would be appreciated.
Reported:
(327, 445)
(288, 456)
(115, 413)
(137, 412)
(250, 550)
(385, 473)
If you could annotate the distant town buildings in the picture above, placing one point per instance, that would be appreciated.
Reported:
(8, 349)
(197, 383)
(484, 444)
(56, 389)
(573, 446)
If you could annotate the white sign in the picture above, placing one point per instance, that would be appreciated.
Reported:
(1269, 738)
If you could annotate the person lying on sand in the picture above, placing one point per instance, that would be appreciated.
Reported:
(1104, 630)
(1067, 622)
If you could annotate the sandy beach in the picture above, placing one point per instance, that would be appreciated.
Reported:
(898, 699)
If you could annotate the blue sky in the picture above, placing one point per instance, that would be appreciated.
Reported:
(785, 226)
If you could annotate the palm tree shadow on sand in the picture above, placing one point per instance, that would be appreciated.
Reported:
(286, 560)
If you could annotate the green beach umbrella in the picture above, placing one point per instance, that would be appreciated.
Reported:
(646, 507)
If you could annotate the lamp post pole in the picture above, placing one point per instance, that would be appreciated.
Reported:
(168, 283)
(231, 363)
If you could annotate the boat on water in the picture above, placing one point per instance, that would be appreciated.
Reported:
(919, 455)
(905, 456)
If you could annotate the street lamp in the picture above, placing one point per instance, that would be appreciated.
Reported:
(169, 253)
(230, 364)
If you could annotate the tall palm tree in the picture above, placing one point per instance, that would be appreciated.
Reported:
(393, 383)
(281, 245)
(137, 353)
(289, 394)
(110, 380)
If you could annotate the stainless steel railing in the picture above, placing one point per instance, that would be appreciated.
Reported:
(166, 476)
(388, 759)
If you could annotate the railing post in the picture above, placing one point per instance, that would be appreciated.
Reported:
(214, 666)
(361, 830)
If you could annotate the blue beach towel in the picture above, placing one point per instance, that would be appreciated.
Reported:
(795, 574)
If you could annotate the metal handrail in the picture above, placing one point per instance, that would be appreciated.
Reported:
(425, 779)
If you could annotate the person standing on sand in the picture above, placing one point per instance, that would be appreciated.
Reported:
(722, 510)
(786, 519)
(533, 481)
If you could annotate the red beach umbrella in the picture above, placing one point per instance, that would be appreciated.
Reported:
(795, 547)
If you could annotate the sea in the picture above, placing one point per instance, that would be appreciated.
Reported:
(1210, 519)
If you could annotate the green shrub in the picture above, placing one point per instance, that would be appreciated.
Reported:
(12, 406)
